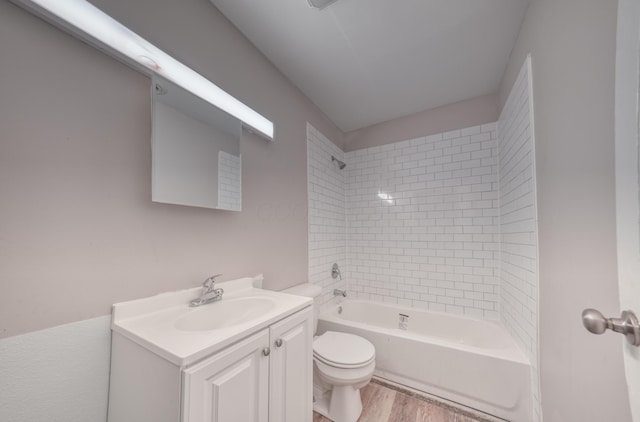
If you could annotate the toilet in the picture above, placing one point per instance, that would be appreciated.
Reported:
(342, 364)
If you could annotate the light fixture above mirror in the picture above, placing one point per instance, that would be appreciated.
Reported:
(92, 25)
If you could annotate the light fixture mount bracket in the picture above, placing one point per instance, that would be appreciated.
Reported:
(320, 4)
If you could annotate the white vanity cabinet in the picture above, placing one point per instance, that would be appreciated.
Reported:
(266, 376)
(291, 369)
(232, 385)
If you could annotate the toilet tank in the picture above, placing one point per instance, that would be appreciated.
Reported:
(308, 290)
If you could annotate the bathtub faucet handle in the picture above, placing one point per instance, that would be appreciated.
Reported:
(335, 271)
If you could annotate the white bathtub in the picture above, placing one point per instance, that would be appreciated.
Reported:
(470, 361)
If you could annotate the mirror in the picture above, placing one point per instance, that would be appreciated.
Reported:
(196, 157)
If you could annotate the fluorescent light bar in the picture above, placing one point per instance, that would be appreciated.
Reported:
(92, 24)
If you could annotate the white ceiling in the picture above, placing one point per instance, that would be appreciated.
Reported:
(367, 61)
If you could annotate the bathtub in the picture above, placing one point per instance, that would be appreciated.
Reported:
(466, 360)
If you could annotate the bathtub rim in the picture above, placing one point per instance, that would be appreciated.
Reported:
(511, 353)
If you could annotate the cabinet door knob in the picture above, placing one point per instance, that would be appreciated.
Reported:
(266, 351)
(279, 342)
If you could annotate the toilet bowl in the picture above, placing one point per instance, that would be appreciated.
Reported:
(342, 364)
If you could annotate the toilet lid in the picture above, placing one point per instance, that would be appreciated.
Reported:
(343, 350)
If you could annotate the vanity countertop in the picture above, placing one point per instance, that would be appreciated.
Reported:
(167, 326)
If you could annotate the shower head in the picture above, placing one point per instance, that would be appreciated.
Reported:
(341, 164)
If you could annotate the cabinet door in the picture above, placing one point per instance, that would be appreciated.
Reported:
(231, 386)
(291, 372)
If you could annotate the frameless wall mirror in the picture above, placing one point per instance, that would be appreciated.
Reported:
(195, 149)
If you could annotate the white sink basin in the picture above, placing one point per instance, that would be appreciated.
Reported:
(166, 325)
(224, 313)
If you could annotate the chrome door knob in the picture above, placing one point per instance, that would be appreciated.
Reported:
(594, 321)
(627, 324)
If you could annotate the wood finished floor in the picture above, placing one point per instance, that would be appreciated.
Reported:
(383, 404)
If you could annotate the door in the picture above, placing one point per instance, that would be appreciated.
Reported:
(627, 181)
(291, 376)
(231, 386)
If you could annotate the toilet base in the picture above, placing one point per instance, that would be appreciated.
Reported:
(340, 404)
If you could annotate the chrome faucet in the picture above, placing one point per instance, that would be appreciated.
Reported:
(335, 271)
(209, 293)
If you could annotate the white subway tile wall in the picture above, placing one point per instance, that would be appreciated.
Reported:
(422, 222)
(445, 222)
(327, 214)
(229, 181)
(518, 222)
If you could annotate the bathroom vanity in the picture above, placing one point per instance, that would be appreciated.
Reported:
(246, 357)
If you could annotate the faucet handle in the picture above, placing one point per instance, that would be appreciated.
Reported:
(209, 282)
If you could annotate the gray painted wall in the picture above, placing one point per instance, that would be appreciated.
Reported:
(79, 231)
(472, 112)
(572, 45)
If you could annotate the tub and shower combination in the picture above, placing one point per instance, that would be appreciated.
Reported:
(466, 360)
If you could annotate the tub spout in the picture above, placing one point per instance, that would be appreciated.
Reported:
(338, 292)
